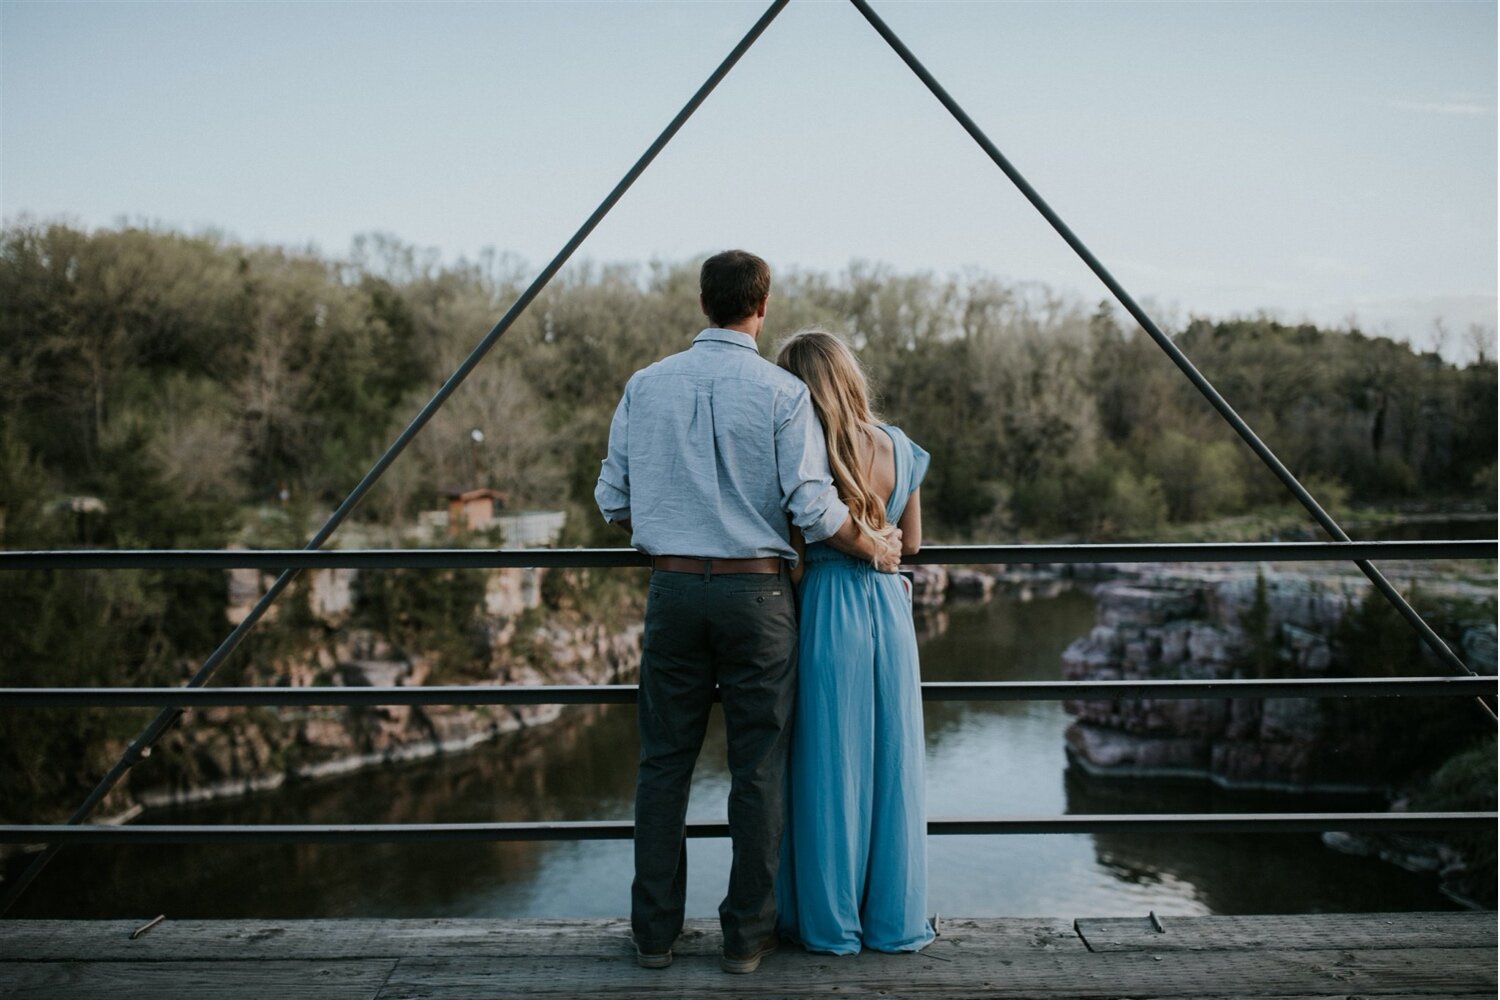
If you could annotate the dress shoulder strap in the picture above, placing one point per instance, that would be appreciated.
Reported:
(896, 504)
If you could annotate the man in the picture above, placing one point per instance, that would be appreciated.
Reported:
(711, 451)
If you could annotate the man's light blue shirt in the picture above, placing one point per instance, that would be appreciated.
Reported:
(711, 449)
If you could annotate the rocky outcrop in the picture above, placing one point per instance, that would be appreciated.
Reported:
(970, 584)
(222, 752)
(1461, 878)
(929, 586)
(1191, 625)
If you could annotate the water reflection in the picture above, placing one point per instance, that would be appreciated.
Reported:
(982, 759)
(1244, 872)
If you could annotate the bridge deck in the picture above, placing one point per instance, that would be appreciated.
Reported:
(1323, 955)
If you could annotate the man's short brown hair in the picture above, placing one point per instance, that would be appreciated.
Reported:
(733, 284)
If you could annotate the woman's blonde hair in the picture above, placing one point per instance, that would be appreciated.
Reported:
(841, 396)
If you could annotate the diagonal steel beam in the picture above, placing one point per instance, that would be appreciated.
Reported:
(1431, 638)
(140, 747)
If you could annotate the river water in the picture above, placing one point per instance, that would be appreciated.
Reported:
(983, 759)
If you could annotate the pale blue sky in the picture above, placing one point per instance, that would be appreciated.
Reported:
(1312, 160)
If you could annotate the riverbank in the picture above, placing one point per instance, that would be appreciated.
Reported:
(243, 753)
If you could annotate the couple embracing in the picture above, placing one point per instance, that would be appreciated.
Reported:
(775, 509)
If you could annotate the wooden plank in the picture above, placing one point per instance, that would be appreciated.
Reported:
(978, 935)
(253, 980)
(174, 940)
(936, 972)
(21, 938)
(1460, 929)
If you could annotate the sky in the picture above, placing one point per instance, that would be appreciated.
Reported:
(1320, 161)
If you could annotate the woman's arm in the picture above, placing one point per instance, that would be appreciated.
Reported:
(911, 524)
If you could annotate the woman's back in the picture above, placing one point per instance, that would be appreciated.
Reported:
(885, 468)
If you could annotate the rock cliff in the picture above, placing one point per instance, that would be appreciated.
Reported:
(220, 752)
(1191, 624)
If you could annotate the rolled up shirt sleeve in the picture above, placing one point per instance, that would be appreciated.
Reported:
(612, 492)
(807, 489)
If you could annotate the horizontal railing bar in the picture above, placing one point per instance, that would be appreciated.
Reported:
(1294, 687)
(387, 833)
(617, 694)
(279, 559)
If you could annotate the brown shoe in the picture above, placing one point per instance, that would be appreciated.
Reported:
(742, 964)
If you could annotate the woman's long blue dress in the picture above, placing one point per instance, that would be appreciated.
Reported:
(854, 852)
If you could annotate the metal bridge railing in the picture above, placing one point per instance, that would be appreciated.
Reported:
(625, 694)
(600, 694)
(407, 833)
(471, 558)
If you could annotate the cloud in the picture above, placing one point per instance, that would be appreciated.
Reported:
(1461, 107)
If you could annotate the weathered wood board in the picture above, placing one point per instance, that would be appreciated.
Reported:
(1324, 956)
(428, 938)
(1291, 933)
(1181, 974)
(206, 980)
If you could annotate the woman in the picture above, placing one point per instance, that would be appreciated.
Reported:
(854, 860)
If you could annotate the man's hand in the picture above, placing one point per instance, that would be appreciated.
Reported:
(883, 551)
(887, 557)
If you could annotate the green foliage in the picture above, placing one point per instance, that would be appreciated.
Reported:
(1259, 658)
(1200, 479)
(1373, 639)
(429, 612)
(1466, 783)
(88, 628)
(240, 371)
(610, 597)
(1137, 505)
(1485, 481)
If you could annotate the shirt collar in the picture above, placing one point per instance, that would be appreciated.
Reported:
(722, 336)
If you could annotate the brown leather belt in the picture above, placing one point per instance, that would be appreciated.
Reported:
(690, 564)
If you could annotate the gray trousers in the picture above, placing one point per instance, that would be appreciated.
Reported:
(739, 631)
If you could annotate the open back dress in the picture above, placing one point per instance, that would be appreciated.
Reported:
(854, 851)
